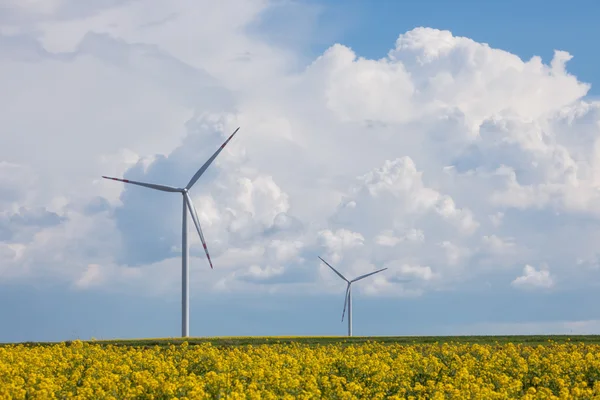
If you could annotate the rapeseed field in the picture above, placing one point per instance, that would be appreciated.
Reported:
(88, 370)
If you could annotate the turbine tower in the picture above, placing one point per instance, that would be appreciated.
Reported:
(187, 205)
(348, 297)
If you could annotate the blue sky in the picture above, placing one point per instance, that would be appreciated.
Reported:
(461, 168)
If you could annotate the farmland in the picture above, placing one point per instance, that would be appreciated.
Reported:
(485, 367)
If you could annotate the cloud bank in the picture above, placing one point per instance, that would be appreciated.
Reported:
(454, 164)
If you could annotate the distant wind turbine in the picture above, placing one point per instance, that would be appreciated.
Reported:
(187, 204)
(348, 297)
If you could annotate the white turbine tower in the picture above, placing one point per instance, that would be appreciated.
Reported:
(187, 204)
(348, 297)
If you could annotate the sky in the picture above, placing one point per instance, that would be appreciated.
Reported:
(453, 143)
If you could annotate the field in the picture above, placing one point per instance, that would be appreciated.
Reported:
(478, 367)
(343, 340)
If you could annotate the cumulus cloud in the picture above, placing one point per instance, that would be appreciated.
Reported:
(444, 160)
(337, 242)
(387, 237)
(401, 272)
(498, 245)
(395, 194)
(20, 226)
(533, 278)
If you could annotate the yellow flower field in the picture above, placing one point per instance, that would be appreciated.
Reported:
(85, 370)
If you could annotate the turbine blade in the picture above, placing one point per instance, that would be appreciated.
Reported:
(345, 301)
(369, 274)
(207, 163)
(192, 209)
(334, 270)
(162, 188)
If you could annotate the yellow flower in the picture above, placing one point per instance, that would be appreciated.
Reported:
(82, 370)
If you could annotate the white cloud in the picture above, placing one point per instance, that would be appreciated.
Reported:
(356, 88)
(406, 272)
(497, 218)
(498, 245)
(42, 8)
(394, 194)
(485, 81)
(444, 158)
(455, 255)
(91, 276)
(387, 238)
(533, 278)
(336, 243)
(283, 251)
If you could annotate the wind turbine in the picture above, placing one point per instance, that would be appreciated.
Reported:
(187, 205)
(348, 297)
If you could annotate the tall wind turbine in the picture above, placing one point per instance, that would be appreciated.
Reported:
(348, 297)
(187, 205)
